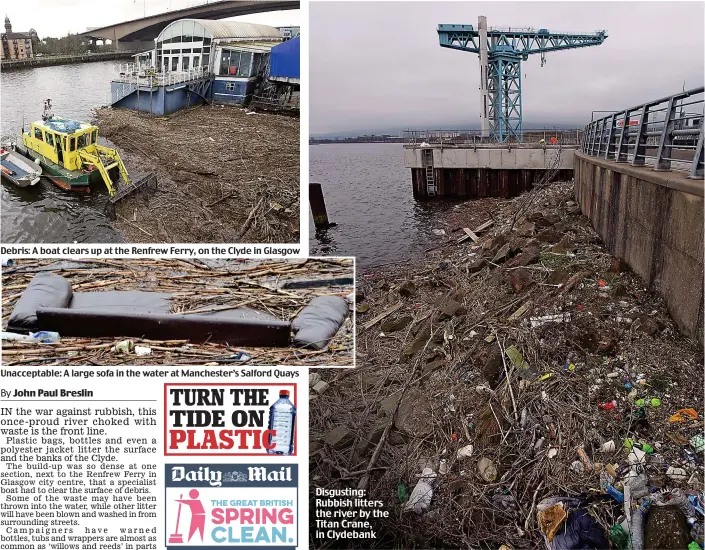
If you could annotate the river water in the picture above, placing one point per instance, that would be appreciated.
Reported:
(368, 194)
(45, 213)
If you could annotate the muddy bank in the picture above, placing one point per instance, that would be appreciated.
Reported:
(506, 365)
(225, 176)
(278, 288)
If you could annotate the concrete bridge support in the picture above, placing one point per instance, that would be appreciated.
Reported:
(654, 221)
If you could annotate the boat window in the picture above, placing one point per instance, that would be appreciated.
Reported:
(38, 134)
(245, 64)
(94, 136)
(50, 139)
(83, 140)
(72, 144)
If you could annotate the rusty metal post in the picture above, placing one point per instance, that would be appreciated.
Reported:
(318, 206)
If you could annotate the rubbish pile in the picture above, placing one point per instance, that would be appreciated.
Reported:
(224, 177)
(528, 382)
(185, 290)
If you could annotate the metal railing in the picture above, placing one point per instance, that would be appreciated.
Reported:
(666, 134)
(133, 73)
(474, 138)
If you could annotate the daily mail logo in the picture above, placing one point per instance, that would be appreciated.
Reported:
(244, 506)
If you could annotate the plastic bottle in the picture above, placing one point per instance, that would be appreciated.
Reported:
(680, 499)
(636, 529)
(43, 337)
(420, 499)
(281, 419)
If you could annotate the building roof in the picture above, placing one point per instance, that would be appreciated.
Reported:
(235, 30)
(16, 35)
(240, 30)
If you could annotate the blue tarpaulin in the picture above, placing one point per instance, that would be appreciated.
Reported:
(285, 59)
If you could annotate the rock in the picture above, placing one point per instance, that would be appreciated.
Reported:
(477, 265)
(502, 254)
(339, 438)
(495, 243)
(320, 387)
(387, 405)
(520, 279)
(543, 219)
(493, 369)
(450, 308)
(548, 236)
(558, 277)
(433, 366)
(529, 255)
(418, 343)
(395, 325)
(407, 289)
(370, 441)
(526, 229)
(646, 324)
(414, 414)
(665, 529)
(619, 266)
(565, 245)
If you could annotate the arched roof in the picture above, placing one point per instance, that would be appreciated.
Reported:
(231, 30)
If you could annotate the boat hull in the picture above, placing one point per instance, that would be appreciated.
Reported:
(19, 170)
(69, 180)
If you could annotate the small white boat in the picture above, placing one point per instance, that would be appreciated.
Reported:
(18, 169)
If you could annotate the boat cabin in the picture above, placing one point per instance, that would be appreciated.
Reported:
(60, 140)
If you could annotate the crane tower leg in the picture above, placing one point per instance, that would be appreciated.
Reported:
(484, 78)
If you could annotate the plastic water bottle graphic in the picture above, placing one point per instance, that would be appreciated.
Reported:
(281, 419)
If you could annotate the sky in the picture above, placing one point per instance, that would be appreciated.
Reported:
(377, 67)
(57, 18)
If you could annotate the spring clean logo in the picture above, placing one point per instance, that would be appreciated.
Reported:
(238, 505)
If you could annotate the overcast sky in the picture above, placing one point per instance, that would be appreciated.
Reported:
(59, 17)
(378, 65)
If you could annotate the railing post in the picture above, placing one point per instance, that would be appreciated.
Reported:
(601, 136)
(696, 169)
(610, 141)
(591, 140)
(640, 146)
(666, 137)
(622, 152)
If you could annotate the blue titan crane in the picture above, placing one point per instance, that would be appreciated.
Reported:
(501, 52)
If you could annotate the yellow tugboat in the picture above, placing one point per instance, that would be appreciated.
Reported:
(69, 153)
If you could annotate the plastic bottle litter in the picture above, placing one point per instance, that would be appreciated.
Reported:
(143, 350)
(587, 463)
(614, 493)
(698, 443)
(465, 452)
(281, 419)
(241, 356)
(420, 499)
(636, 530)
(607, 406)
(443, 467)
(608, 446)
(8, 262)
(487, 468)
(680, 499)
(619, 537)
(42, 337)
(676, 474)
(126, 346)
(402, 495)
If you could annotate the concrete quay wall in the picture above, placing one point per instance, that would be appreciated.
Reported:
(654, 221)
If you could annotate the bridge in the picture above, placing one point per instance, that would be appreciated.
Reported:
(148, 28)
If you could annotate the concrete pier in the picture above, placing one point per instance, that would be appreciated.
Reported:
(484, 170)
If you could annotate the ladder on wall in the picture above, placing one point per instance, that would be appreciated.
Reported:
(430, 181)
